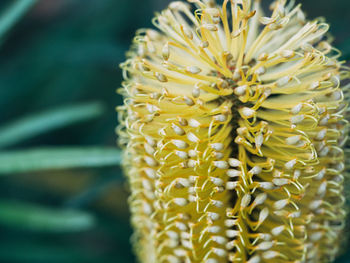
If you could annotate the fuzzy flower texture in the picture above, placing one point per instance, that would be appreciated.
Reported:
(233, 129)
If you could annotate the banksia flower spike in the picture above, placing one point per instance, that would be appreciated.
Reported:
(233, 127)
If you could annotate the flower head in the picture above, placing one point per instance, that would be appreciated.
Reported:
(233, 126)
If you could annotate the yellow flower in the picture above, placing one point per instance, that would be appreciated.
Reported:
(233, 127)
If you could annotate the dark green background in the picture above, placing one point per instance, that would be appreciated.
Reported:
(64, 52)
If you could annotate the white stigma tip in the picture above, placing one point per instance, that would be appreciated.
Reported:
(220, 118)
(255, 170)
(276, 231)
(260, 199)
(280, 181)
(192, 137)
(293, 140)
(234, 173)
(234, 162)
(221, 164)
(296, 109)
(182, 154)
(248, 112)
(180, 144)
(266, 185)
(246, 200)
(161, 77)
(283, 81)
(217, 146)
(210, 27)
(287, 54)
(193, 70)
(321, 135)
(178, 130)
(264, 245)
(217, 181)
(255, 259)
(315, 85)
(232, 233)
(231, 185)
(213, 216)
(260, 71)
(278, 205)
(270, 254)
(297, 119)
(240, 90)
(214, 229)
(188, 101)
(315, 204)
(150, 161)
(193, 123)
(289, 165)
(180, 201)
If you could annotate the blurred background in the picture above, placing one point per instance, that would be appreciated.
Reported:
(58, 75)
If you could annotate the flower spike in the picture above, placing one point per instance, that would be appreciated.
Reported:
(234, 128)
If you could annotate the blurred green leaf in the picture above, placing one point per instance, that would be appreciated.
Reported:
(36, 124)
(38, 218)
(57, 158)
(13, 14)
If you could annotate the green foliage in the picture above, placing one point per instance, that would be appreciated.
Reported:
(53, 159)
(45, 144)
(38, 218)
(11, 15)
(37, 124)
